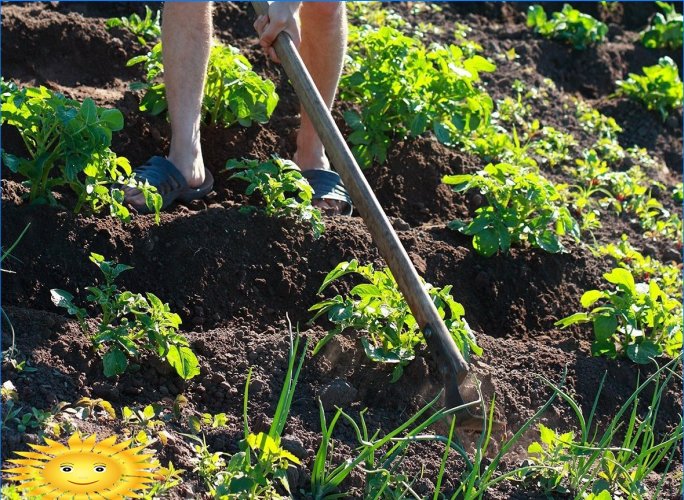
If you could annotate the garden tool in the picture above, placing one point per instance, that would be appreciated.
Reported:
(453, 368)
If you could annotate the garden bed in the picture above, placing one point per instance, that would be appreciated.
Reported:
(234, 278)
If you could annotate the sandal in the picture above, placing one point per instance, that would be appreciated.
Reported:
(170, 183)
(327, 185)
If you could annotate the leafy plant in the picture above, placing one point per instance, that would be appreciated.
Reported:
(402, 88)
(284, 190)
(254, 471)
(589, 465)
(68, 145)
(666, 29)
(521, 206)
(569, 25)
(130, 323)
(147, 29)
(635, 320)
(658, 88)
(378, 309)
(379, 456)
(233, 93)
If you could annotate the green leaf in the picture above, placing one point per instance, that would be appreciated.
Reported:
(590, 297)
(486, 242)
(572, 320)
(184, 361)
(549, 242)
(644, 352)
(604, 327)
(623, 278)
(115, 363)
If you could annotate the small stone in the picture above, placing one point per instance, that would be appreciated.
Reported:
(400, 224)
(337, 393)
(294, 445)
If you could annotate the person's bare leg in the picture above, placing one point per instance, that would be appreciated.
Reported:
(324, 41)
(186, 41)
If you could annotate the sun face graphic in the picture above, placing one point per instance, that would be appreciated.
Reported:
(84, 469)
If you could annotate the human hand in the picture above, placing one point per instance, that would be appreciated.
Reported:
(282, 16)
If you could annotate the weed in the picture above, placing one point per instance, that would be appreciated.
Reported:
(566, 463)
(521, 206)
(147, 29)
(233, 93)
(666, 29)
(284, 190)
(130, 322)
(378, 309)
(636, 320)
(380, 455)
(569, 25)
(658, 88)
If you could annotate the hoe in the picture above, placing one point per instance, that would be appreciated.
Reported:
(447, 357)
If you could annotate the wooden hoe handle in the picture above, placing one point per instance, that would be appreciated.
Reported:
(442, 347)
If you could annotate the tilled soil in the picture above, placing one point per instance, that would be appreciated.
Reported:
(236, 278)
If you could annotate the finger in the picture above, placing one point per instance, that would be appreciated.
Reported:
(260, 24)
(270, 51)
(270, 33)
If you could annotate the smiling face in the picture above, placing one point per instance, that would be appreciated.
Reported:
(82, 472)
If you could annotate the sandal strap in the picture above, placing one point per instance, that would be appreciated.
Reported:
(327, 185)
(162, 174)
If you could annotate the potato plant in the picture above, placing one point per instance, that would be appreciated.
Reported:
(68, 146)
(233, 93)
(659, 88)
(378, 309)
(129, 323)
(666, 29)
(636, 320)
(147, 29)
(522, 206)
(404, 89)
(284, 190)
(569, 25)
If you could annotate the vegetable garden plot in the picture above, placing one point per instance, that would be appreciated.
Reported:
(232, 277)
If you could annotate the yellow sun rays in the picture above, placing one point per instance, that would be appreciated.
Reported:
(84, 469)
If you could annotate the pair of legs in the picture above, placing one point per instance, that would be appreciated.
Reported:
(186, 41)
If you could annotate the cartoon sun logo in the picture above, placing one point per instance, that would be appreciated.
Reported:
(84, 469)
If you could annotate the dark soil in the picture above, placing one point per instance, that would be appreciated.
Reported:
(234, 278)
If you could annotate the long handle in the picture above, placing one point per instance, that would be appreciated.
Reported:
(439, 340)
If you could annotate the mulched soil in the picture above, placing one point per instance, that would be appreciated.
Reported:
(234, 278)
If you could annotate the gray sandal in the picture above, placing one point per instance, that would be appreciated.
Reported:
(327, 185)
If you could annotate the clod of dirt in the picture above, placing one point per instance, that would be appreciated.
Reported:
(337, 393)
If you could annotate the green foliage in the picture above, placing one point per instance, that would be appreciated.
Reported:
(68, 145)
(666, 29)
(378, 309)
(404, 89)
(259, 470)
(612, 463)
(569, 25)
(233, 93)
(658, 88)
(596, 123)
(678, 193)
(147, 29)
(286, 193)
(130, 323)
(379, 456)
(636, 320)
(521, 206)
